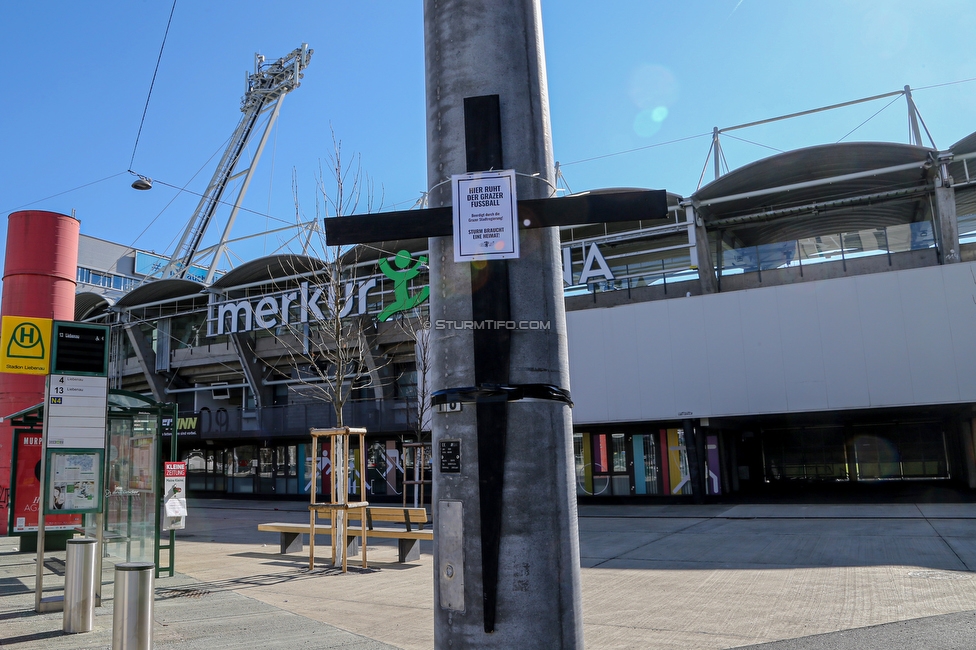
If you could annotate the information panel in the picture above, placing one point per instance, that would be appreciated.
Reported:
(450, 456)
(80, 348)
(74, 481)
(75, 411)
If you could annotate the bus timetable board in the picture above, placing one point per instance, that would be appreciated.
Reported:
(80, 349)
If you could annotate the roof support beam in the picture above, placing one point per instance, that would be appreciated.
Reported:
(246, 354)
(946, 225)
(699, 251)
(146, 357)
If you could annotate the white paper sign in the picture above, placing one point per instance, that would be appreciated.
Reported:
(175, 507)
(485, 216)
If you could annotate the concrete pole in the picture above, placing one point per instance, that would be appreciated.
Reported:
(477, 48)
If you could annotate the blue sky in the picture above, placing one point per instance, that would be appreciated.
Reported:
(624, 76)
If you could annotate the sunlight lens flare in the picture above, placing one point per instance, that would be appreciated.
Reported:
(653, 89)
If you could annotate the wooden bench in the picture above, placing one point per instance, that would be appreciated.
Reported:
(290, 538)
(408, 537)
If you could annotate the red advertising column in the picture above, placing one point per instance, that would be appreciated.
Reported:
(39, 275)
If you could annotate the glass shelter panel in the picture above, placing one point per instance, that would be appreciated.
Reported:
(130, 477)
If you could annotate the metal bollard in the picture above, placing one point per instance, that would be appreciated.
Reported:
(79, 586)
(132, 620)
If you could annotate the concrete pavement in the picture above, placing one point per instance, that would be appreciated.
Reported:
(663, 576)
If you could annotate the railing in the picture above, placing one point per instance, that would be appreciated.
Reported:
(296, 419)
(830, 248)
(812, 250)
(661, 272)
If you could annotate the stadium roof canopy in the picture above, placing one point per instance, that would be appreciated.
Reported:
(820, 190)
(266, 269)
(161, 291)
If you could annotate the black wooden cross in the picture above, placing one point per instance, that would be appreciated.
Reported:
(576, 210)
(490, 301)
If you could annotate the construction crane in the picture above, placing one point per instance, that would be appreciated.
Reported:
(266, 88)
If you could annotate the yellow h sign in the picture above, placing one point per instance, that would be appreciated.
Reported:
(25, 345)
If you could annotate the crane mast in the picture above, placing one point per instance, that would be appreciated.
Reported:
(266, 88)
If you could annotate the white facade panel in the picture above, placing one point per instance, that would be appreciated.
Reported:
(655, 360)
(765, 379)
(902, 338)
(726, 361)
(882, 324)
(960, 291)
(686, 320)
(805, 379)
(587, 364)
(623, 381)
(102, 255)
(929, 336)
(843, 345)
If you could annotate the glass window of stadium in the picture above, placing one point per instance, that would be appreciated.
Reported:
(286, 469)
(247, 469)
(617, 463)
(891, 451)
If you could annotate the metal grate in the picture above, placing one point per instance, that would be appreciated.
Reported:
(181, 592)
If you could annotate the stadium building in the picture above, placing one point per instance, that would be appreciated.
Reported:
(803, 321)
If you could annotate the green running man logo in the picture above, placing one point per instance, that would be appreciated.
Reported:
(403, 300)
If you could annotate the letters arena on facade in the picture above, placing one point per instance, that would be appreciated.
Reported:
(806, 321)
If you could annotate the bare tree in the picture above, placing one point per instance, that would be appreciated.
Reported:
(416, 327)
(333, 355)
(339, 354)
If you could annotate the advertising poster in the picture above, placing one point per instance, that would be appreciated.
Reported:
(174, 495)
(75, 484)
(678, 463)
(27, 489)
(323, 472)
(141, 463)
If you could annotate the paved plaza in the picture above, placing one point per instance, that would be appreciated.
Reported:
(663, 576)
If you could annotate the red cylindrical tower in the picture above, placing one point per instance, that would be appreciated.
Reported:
(39, 277)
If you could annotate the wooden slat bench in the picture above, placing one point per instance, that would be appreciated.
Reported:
(290, 538)
(408, 536)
